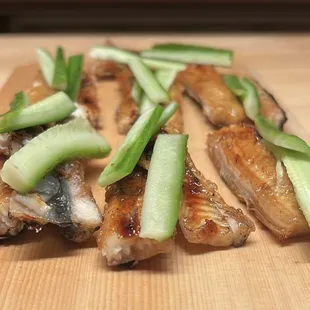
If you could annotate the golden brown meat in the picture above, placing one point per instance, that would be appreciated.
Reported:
(61, 198)
(205, 217)
(87, 101)
(206, 86)
(249, 169)
(118, 238)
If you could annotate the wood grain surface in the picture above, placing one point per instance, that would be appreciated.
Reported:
(44, 271)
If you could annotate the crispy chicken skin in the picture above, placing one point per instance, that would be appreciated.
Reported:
(249, 169)
(206, 86)
(118, 238)
(205, 217)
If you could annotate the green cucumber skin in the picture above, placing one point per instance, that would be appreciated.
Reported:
(168, 112)
(128, 154)
(124, 56)
(75, 70)
(60, 72)
(298, 169)
(275, 136)
(137, 92)
(165, 78)
(76, 139)
(51, 109)
(210, 56)
(148, 82)
(47, 65)
(233, 83)
(163, 191)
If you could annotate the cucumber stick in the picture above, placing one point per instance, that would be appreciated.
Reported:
(128, 154)
(165, 78)
(298, 169)
(123, 56)
(51, 109)
(169, 110)
(76, 139)
(277, 137)
(186, 53)
(47, 65)
(163, 191)
(148, 82)
(136, 92)
(75, 69)
(60, 71)
(234, 85)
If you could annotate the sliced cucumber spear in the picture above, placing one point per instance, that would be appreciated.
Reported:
(51, 109)
(47, 65)
(234, 84)
(60, 71)
(169, 110)
(165, 78)
(190, 54)
(148, 82)
(163, 191)
(123, 56)
(76, 139)
(128, 154)
(298, 169)
(75, 69)
(274, 135)
(136, 92)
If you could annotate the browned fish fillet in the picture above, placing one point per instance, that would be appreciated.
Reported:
(87, 101)
(205, 217)
(249, 169)
(118, 237)
(127, 112)
(205, 85)
(62, 198)
(9, 226)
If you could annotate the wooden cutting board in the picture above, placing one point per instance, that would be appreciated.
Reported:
(44, 271)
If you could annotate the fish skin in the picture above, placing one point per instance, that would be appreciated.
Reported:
(118, 238)
(249, 169)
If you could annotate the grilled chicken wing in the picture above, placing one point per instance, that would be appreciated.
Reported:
(249, 169)
(61, 198)
(118, 237)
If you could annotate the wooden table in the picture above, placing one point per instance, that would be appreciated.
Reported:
(46, 272)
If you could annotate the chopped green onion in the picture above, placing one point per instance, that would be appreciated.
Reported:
(148, 82)
(298, 169)
(163, 191)
(169, 110)
(19, 102)
(274, 135)
(128, 154)
(51, 109)
(76, 139)
(190, 54)
(233, 83)
(47, 65)
(136, 92)
(60, 73)
(75, 70)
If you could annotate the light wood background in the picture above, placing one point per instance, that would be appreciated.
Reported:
(43, 271)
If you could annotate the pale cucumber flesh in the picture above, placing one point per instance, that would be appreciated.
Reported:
(76, 139)
(163, 191)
